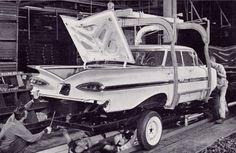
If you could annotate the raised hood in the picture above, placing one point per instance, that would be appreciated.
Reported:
(99, 38)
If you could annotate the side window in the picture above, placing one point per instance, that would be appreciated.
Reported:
(200, 62)
(138, 57)
(148, 58)
(197, 60)
(188, 58)
(169, 59)
(153, 58)
(179, 59)
(159, 57)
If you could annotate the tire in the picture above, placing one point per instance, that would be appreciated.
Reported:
(149, 129)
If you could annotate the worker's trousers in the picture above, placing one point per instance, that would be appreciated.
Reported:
(223, 107)
(17, 146)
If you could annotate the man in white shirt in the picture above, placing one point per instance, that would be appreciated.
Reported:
(222, 85)
(14, 136)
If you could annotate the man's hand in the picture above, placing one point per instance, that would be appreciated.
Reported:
(35, 94)
(48, 130)
(35, 97)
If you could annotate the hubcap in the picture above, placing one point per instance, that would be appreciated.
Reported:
(153, 130)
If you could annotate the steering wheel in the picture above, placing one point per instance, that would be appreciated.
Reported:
(149, 61)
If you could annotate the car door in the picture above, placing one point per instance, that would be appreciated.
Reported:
(197, 80)
(184, 69)
(183, 76)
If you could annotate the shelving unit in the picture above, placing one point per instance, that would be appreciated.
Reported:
(43, 38)
(14, 88)
(15, 91)
(8, 36)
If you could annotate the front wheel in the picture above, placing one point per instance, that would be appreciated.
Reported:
(149, 129)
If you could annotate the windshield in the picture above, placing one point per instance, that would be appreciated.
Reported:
(148, 58)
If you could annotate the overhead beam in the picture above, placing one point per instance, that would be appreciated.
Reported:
(50, 9)
(27, 3)
(87, 2)
(7, 3)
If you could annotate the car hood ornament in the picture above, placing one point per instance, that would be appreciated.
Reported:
(99, 38)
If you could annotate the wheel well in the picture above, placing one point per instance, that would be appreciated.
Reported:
(155, 101)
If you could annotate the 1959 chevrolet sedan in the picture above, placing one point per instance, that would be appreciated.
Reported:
(120, 78)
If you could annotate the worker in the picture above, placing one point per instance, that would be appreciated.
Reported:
(14, 136)
(101, 143)
(222, 85)
(122, 141)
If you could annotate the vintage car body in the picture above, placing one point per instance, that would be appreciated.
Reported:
(120, 79)
(118, 85)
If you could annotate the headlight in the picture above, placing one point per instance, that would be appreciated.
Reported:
(91, 86)
(38, 81)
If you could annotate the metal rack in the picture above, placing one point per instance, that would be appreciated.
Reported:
(8, 36)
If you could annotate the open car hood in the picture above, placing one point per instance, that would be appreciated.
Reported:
(99, 38)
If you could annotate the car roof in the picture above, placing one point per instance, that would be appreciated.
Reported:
(159, 47)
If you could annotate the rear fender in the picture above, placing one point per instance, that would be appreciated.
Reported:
(155, 101)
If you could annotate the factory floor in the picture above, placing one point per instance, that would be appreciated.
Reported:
(189, 139)
(195, 139)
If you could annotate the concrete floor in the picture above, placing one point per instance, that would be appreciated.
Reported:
(190, 139)
(195, 139)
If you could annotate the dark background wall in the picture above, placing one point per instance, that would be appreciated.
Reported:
(43, 38)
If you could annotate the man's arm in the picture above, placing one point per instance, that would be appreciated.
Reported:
(221, 71)
(35, 97)
(29, 104)
(21, 131)
(2, 133)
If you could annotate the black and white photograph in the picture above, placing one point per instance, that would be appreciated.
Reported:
(117, 76)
